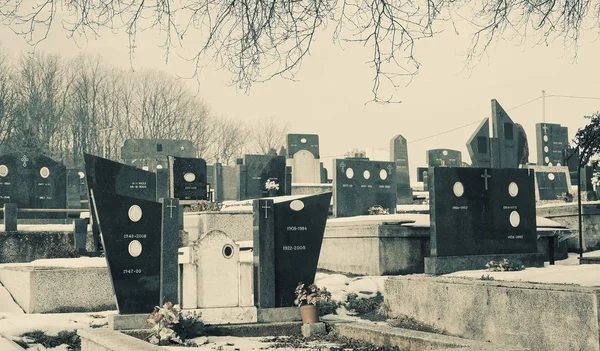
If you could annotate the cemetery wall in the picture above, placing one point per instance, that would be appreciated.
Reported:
(566, 214)
(236, 224)
(373, 248)
(29, 246)
(34, 288)
(538, 316)
(310, 189)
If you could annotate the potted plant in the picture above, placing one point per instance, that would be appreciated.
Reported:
(307, 298)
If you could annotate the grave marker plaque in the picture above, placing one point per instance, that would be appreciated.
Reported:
(131, 236)
(479, 211)
(551, 185)
(187, 178)
(360, 184)
(288, 234)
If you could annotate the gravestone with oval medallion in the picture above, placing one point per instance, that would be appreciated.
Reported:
(131, 238)
(399, 155)
(361, 184)
(140, 240)
(477, 213)
(187, 178)
(33, 181)
(444, 158)
(288, 233)
(551, 182)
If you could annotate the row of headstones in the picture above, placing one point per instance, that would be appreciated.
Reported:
(141, 241)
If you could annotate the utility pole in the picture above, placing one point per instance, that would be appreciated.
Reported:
(543, 106)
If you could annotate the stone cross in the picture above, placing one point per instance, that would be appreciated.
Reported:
(485, 176)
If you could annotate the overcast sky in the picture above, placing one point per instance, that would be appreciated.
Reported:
(329, 95)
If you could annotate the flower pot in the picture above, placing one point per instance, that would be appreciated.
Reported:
(309, 313)
(272, 192)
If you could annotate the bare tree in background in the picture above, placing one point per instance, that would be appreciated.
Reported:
(229, 140)
(7, 97)
(259, 40)
(268, 134)
(40, 105)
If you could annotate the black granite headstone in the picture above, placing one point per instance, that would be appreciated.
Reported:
(444, 158)
(297, 142)
(33, 181)
(259, 169)
(479, 211)
(187, 178)
(119, 178)
(324, 176)
(552, 140)
(73, 191)
(360, 184)
(420, 172)
(551, 185)
(131, 236)
(399, 155)
(288, 233)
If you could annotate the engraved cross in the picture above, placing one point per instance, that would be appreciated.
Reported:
(171, 206)
(485, 176)
(24, 159)
(342, 165)
(266, 207)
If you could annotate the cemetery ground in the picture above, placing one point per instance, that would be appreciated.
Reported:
(31, 330)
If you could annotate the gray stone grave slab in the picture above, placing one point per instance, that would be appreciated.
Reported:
(324, 175)
(399, 155)
(360, 184)
(33, 181)
(420, 172)
(73, 191)
(505, 150)
(288, 233)
(187, 178)
(480, 211)
(478, 145)
(444, 158)
(552, 140)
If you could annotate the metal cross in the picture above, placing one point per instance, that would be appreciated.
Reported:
(485, 176)
(24, 159)
(266, 207)
(389, 168)
(342, 165)
(170, 205)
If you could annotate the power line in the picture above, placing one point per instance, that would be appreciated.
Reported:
(479, 120)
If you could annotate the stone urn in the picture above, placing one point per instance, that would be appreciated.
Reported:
(309, 313)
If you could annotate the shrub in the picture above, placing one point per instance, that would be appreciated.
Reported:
(70, 338)
(365, 304)
(503, 266)
(328, 307)
(61, 249)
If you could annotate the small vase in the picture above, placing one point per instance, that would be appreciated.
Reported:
(309, 313)
(272, 192)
